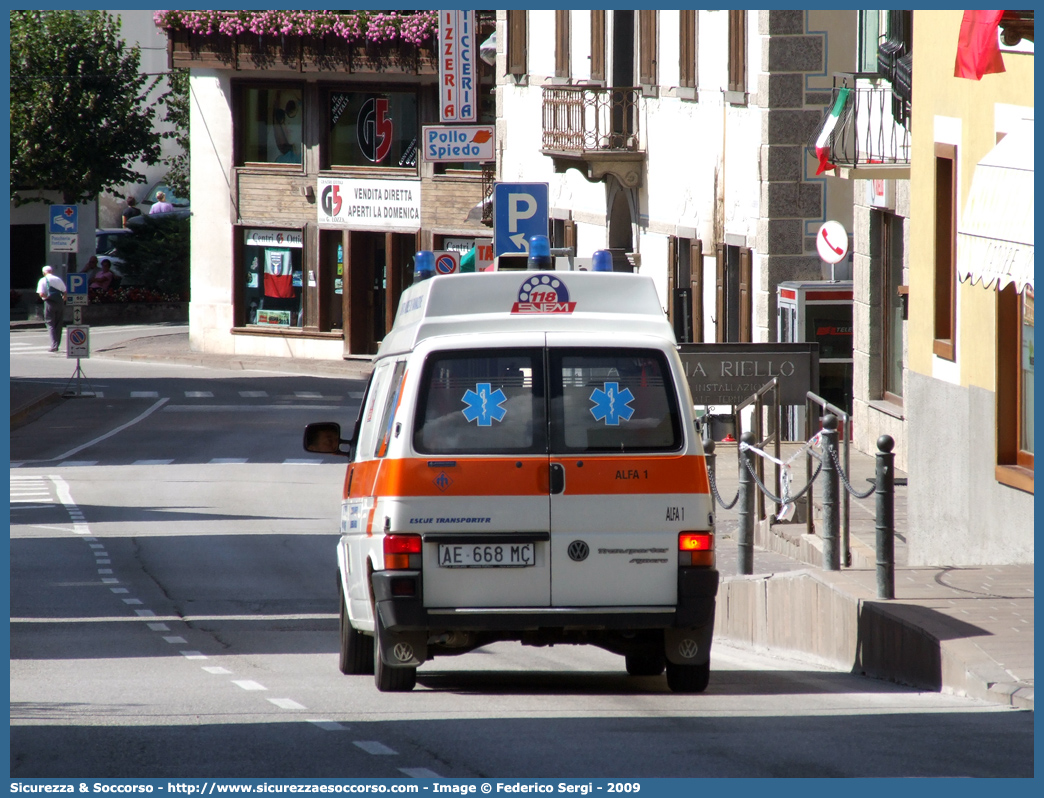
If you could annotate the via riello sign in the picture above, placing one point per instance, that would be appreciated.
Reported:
(458, 81)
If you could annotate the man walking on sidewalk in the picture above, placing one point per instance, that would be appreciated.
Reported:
(51, 289)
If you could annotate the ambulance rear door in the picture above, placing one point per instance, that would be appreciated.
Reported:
(619, 475)
(480, 448)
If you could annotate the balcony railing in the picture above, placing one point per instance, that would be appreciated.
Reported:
(869, 134)
(579, 119)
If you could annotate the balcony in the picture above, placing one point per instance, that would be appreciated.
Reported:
(594, 129)
(869, 140)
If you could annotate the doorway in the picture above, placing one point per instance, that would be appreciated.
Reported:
(379, 266)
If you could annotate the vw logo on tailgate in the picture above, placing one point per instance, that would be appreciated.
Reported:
(578, 551)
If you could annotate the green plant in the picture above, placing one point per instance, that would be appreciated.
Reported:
(157, 255)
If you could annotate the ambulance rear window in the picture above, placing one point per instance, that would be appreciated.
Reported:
(482, 402)
(612, 400)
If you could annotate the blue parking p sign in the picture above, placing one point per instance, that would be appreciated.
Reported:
(519, 211)
(77, 283)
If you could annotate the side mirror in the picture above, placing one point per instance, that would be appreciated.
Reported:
(324, 437)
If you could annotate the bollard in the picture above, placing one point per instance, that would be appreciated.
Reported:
(831, 521)
(885, 527)
(746, 508)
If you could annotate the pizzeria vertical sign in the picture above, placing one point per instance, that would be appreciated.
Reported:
(458, 82)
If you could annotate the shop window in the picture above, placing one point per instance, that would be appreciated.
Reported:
(945, 296)
(687, 48)
(272, 278)
(268, 124)
(371, 129)
(1015, 388)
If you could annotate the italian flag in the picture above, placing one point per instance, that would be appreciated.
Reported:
(823, 142)
(978, 53)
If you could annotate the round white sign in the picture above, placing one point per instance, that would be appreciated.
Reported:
(832, 242)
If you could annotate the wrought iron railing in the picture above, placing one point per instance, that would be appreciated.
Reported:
(870, 130)
(585, 118)
(489, 179)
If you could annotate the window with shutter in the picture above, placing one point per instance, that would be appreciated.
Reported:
(738, 51)
(562, 48)
(647, 47)
(687, 48)
(945, 250)
(746, 295)
(516, 43)
(598, 45)
(696, 288)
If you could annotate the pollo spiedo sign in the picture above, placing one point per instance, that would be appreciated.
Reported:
(727, 374)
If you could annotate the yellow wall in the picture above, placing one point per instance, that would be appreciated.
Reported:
(937, 93)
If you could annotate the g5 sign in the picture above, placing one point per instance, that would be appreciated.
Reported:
(374, 129)
(330, 200)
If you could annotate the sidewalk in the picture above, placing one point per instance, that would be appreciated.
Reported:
(965, 630)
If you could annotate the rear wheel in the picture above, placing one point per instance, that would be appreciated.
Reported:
(645, 664)
(688, 678)
(356, 650)
(388, 679)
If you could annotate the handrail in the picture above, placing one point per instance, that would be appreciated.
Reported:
(810, 400)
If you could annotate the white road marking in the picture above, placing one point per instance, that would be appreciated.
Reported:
(286, 703)
(96, 545)
(216, 669)
(193, 654)
(119, 590)
(144, 394)
(158, 627)
(99, 439)
(421, 773)
(307, 395)
(110, 580)
(375, 748)
(103, 562)
(172, 639)
(329, 725)
(307, 462)
(132, 601)
(247, 684)
(151, 462)
(199, 395)
(228, 461)
(145, 613)
(253, 394)
(73, 463)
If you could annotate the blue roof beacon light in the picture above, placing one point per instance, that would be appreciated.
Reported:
(539, 254)
(423, 265)
(602, 261)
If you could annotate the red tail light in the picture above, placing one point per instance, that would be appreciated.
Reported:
(696, 549)
(402, 552)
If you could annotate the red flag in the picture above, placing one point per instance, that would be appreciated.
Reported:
(978, 53)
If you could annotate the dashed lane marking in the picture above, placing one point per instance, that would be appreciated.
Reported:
(303, 461)
(199, 395)
(158, 627)
(286, 703)
(193, 654)
(253, 394)
(217, 670)
(228, 461)
(172, 639)
(152, 462)
(144, 394)
(420, 773)
(329, 725)
(247, 684)
(375, 748)
(77, 463)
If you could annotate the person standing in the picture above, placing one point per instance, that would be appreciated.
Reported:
(131, 211)
(161, 205)
(51, 289)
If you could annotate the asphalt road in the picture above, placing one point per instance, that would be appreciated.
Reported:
(174, 615)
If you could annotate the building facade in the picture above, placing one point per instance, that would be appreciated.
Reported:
(969, 387)
(677, 139)
(309, 193)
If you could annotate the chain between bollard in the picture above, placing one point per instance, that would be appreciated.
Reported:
(787, 499)
(844, 479)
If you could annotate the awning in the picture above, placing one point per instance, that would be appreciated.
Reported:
(995, 234)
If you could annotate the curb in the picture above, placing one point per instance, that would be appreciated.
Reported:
(806, 613)
(34, 409)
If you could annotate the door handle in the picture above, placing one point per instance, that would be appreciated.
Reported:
(557, 478)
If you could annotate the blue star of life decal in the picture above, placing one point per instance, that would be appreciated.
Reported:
(610, 403)
(484, 405)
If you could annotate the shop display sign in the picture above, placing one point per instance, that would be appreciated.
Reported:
(256, 237)
(369, 204)
(273, 318)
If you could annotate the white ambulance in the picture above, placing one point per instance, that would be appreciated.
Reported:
(525, 466)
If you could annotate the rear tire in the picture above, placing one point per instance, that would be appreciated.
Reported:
(645, 664)
(387, 678)
(688, 678)
(356, 656)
